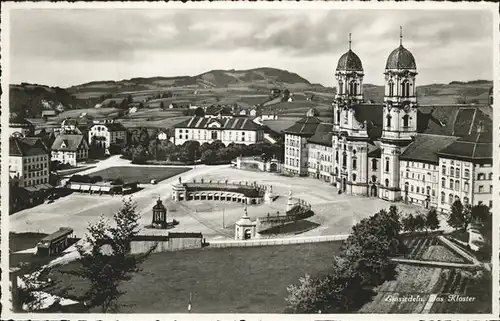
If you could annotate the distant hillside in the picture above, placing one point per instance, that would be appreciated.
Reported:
(259, 78)
(31, 99)
(455, 92)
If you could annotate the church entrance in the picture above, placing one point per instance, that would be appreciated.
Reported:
(248, 235)
(373, 192)
(274, 167)
(344, 184)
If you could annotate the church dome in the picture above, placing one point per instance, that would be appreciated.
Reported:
(401, 58)
(350, 62)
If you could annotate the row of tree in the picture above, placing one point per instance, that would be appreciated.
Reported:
(420, 222)
(143, 148)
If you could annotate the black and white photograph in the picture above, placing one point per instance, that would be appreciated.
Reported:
(288, 159)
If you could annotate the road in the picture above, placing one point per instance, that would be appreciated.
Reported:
(78, 210)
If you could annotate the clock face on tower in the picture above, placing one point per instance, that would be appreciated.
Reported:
(407, 108)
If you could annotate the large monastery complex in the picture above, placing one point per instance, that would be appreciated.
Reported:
(397, 150)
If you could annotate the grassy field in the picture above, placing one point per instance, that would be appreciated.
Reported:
(232, 280)
(141, 174)
(430, 249)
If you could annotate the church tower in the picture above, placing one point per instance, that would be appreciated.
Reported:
(399, 117)
(350, 137)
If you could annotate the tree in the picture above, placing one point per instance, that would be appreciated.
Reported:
(371, 243)
(419, 222)
(144, 138)
(409, 223)
(456, 218)
(199, 112)
(431, 220)
(105, 272)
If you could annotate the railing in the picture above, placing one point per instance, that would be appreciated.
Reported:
(283, 241)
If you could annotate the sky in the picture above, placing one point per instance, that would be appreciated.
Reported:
(64, 47)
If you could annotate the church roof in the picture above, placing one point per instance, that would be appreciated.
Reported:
(323, 135)
(451, 120)
(350, 62)
(401, 58)
(424, 148)
(304, 127)
(472, 148)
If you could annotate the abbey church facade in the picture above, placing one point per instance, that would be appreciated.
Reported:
(396, 150)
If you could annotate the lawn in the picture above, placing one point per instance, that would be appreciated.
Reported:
(429, 248)
(141, 174)
(231, 280)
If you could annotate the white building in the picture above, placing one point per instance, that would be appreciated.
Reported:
(70, 149)
(108, 134)
(228, 130)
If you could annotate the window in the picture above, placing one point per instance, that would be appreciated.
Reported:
(407, 173)
(491, 189)
(406, 187)
(480, 176)
(481, 188)
(451, 184)
(452, 171)
(490, 204)
(374, 164)
(405, 88)
(490, 176)
(341, 87)
(457, 172)
(386, 182)
(354, 163)
(353, 177)
(338, 116)
(406, 120)
(388, 124)
(336, 171)
(387, 164)
(450, 199)
(466, 200)
(353, 88)
(374, 178)
(457, 185)
(466, 187)
(391, 88)
(418, 189)
(443, 170)
(411, 188)
(442, 197)
(466, 173)
(344, 159)
(337, 156)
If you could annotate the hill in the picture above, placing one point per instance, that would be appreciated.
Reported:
(252, 79)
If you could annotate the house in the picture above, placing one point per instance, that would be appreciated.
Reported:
(166, 134)
(238, 130)
(48, 113)
(29, 163)
(218, 111)
(108, 133)
(70, 149)
(21, 127)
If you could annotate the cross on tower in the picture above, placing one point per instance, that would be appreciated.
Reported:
(400, 35)
(350, 41)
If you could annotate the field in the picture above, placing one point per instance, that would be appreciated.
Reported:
(231, 280)
(141, 174)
